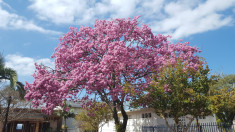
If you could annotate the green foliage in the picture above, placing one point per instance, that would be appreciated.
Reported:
(119, 127)
(20, 89)
(179, 91)
(7, 73)
(65, 113)
(92, 116)
(15, 87)
(11, 75)
(223, 98)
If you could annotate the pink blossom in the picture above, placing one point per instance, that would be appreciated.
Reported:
(167, 88)
(101, 59)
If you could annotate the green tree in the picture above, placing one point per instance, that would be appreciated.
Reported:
(65, 113)
(179, 91)
(8, 74)
(11, 75)
(91, 117)
(223, 99)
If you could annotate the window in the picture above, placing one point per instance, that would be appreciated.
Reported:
(19, 126)
(146, 115)
(165, 115)
(201, 117)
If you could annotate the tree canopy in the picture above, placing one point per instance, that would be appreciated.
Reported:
(15, 91)
(91, 117)
(223, 99)
(7, 73)
(11, 75)
(103, 60)
(179, 91)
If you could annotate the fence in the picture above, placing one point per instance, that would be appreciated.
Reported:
(202, 127)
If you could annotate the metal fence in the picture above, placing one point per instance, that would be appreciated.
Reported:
(202, 127)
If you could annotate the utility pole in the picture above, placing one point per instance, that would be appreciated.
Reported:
(8, 106)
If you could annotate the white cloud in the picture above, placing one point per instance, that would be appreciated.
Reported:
(25, 65)
(81, 11)
(179, 18)
(14, 21)
(60, 12)
(184, 20)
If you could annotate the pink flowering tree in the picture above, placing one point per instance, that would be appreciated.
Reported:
(113, 61)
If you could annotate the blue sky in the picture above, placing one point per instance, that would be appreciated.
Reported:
(30, 29)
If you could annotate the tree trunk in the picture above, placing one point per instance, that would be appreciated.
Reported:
(120, 127)
(115, 114)
(125, 118)
(65, 126)
(189, 124)
(167, 124)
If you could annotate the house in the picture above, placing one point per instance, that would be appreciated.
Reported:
(33, 120)
(147, 117)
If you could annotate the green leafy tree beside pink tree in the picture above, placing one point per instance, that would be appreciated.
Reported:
(179, 92)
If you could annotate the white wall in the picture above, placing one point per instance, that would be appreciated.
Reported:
(71, 122)
(72, 125)
(135, 121)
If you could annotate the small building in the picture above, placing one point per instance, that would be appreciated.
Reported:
(33, 121)
(147, 117)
